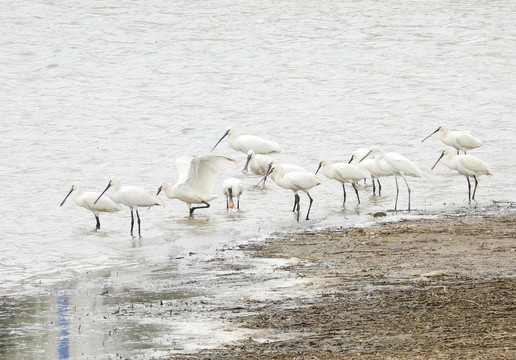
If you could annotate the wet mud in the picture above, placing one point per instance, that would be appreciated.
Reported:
(436, 288)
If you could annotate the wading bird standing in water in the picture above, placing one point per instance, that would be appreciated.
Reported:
(87, 201)
(244, 143)
(467, 165)
(460, 140)
(131, 196)
(196, 179)
(295, 180)
(343, 173)
(370, 165)
(396, 164)
(231, 188)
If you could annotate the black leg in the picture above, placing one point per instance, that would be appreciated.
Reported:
(379, 187)
(296, 205)
(344, 192)
(309, 206)
(227, 205)
(356, 191)
(476, 184)
(138, 216)
(132, 222)
(238, 203)
(199, 207)
(295, 202)
(469, 189)
(374, 188)
(98, 222)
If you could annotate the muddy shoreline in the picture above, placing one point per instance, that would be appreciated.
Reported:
(434, 288)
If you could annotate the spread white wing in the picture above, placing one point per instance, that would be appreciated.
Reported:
(204, 169)
(183, 167)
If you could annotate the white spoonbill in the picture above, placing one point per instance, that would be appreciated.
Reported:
(131, 196)
(286, 167)
(258, 163)
(296, 181)
(370, 165)
(343, 173)
(87, 201)
(197, 176)
(232, 187)
(244, 143)
(460, 140)
(396, 164)
(467, 165)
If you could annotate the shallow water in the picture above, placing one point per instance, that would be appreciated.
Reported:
(92, 90)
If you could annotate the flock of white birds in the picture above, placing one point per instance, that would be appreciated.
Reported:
(197, 175)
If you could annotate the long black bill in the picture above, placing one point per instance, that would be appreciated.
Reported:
(225, 134)
(368, 153)
(439, 128)
(62, 202)
(262, 181)
(230, 193)
(351, 159)
(159, 190)
(440, 157)
(244, 170)
(107, 187)
(319, 168)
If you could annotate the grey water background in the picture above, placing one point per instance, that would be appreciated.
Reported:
(90, 90)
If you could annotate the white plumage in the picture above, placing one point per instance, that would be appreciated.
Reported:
(343, 173)
(467, 165)
(370, 165)
(244, 143)
(295, 180)
(196, 179)
(258, 163)
(87, 201)
(132, 197)
(396, 164)
(231, 188)
(460, 140)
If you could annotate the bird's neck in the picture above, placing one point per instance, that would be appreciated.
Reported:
(171, 191)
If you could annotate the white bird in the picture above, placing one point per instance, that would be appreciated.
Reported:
(369, 165)
(196, 179)
(343, 173)
(244, 143)
(232, 187)
(460, 140)
(258, 163)
(131, 196)
(296, 181)
(87, 201)
(286, 167)
(396, 164)
(467, 165)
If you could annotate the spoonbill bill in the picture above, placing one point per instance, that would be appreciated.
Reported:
(258, 163)
(369, 165)
(396, 164)
(343, 173)
(295, 180)
(87, 201)
(244, 143)
(197, 176)
(131, 196)
(467, 165)
(460, 140)
(232, 187)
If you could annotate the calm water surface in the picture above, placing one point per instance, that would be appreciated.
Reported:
(95, 89)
